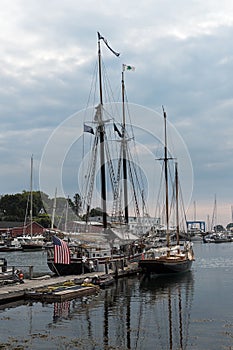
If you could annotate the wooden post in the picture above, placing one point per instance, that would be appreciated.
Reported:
(30, 272)
(122, 264)
(116, 269)
(106, 268)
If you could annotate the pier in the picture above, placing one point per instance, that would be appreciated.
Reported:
(16, 291)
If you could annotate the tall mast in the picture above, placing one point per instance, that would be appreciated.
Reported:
(101, 133)
(66, 217)
(31, 184)
(166, 178)
(177, 205)
(54, 209)
(124, 152)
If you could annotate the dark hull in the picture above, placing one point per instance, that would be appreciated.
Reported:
(67, 269)
(77, 267)
(31, 247)
(222, 240)
(164, 267)
(9, 249)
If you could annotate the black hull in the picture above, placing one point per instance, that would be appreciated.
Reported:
(9, 249)
(31, 247)
(165, 267)
(77, 267)
(68, 269)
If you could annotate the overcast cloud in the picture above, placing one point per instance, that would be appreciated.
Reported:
(183, 54)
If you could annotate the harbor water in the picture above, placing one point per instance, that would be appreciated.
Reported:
(191, 311)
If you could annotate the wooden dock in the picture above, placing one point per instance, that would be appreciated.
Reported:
(61, 293)
(35, 288)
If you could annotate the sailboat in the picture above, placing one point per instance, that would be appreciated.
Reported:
(103, 253)
(217, 233)
(172, 258)
(31, 242)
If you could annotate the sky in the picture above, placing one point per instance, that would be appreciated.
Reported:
(183, 54)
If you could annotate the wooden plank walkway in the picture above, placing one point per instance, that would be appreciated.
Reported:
(16, 291)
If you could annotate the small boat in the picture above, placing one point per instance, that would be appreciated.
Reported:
(31, 243)
(223, 237)
(61, 292)
(209, 238)
(10, 248)
(217, 237)
(170, 259)
(101, 281)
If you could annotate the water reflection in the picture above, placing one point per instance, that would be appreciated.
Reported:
(134, 314)
(170, 298)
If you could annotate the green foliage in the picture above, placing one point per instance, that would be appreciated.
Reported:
(229, 226)
(96, 212)
(17, 206)
(76, 204)
(44, 220)
(93, 212)
(219, 228)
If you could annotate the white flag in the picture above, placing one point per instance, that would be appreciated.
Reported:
(128, 68)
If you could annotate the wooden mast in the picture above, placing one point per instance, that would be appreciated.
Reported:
(166, 180)
(124, 153)
(101, 134)
(54, 209)
(177, 205)
(31, 204)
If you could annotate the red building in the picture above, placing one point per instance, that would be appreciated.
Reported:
(30, 229)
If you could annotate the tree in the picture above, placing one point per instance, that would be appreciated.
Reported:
(16, 206)
(219, 228)
(44, 220)
(96, 212)
(229, 226)
(76, 205)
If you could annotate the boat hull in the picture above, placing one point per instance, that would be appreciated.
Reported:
(102, 264)
(32, 247)
(67, 269)
(165, 267)
(9, 249)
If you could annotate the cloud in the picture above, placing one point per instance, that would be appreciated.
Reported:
(183, 58)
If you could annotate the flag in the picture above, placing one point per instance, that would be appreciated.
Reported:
(89, 129)
(117, 130)
(128, 68)
(61, 309)
(61, 251)
(100, 37)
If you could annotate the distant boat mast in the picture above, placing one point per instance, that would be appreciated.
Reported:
(31, 196)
